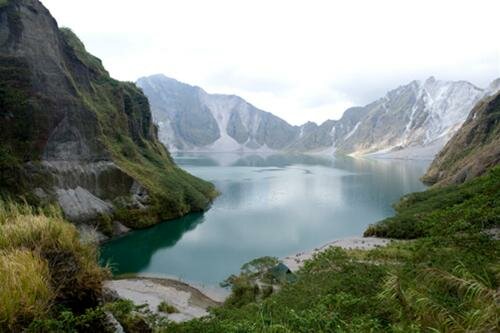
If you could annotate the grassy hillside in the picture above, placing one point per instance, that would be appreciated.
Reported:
(472, 206)
(444, 280)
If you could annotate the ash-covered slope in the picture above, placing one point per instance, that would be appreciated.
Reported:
(473, 150)
(191, 119)
(412, 121)
(70, 133)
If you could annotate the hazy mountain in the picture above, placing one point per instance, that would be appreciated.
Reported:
(191, 119)
(411, 121)
(69, 133)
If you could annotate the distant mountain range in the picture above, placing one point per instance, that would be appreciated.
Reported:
(412, 121)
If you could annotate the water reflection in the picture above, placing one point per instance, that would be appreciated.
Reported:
(132, 252)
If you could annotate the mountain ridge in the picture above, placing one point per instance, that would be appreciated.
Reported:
(412, 121)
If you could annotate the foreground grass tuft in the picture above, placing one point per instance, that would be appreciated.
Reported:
(25, 291)
(43, 264)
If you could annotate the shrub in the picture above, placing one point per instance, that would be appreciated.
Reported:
(167, 308)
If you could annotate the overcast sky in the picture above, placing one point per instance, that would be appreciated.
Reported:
(301, 60)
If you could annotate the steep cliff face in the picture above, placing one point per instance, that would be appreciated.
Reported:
(191, 119)
(473, 150)
(70, 133)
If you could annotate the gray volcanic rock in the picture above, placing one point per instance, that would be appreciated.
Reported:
(412, 121)
(191, 119)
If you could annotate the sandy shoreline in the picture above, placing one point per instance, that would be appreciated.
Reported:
(296, 261)
(189, 301)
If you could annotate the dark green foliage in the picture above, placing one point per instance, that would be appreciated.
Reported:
(93, 320)
(445, 210)
(254, 282)
(167, 308)
(135, 319)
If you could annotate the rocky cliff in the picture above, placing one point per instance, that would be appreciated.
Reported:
(70, 133)
(411, 121)
(473, 150)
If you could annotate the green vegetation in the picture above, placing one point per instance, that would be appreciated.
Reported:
(167, 308)
(43, 264)
(445, 279)
(255, 282)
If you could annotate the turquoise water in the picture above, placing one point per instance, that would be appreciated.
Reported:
(270, 205)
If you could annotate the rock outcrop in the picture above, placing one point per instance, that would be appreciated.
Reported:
(69, 133)
(473, 150)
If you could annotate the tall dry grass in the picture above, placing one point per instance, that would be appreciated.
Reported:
(43, 262)
(25, 291)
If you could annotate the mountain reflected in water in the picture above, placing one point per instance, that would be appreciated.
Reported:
(270, 204)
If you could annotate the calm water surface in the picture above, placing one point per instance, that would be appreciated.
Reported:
(270, 205)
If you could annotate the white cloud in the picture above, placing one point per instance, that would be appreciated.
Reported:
(288, 57)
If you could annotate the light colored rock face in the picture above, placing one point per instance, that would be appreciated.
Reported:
(190, 119)
(413, 121)
(79, 204)
(85, 190)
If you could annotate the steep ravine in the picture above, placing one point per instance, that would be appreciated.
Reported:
(70, 133)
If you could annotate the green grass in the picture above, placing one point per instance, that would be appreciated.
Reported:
(167, 308)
